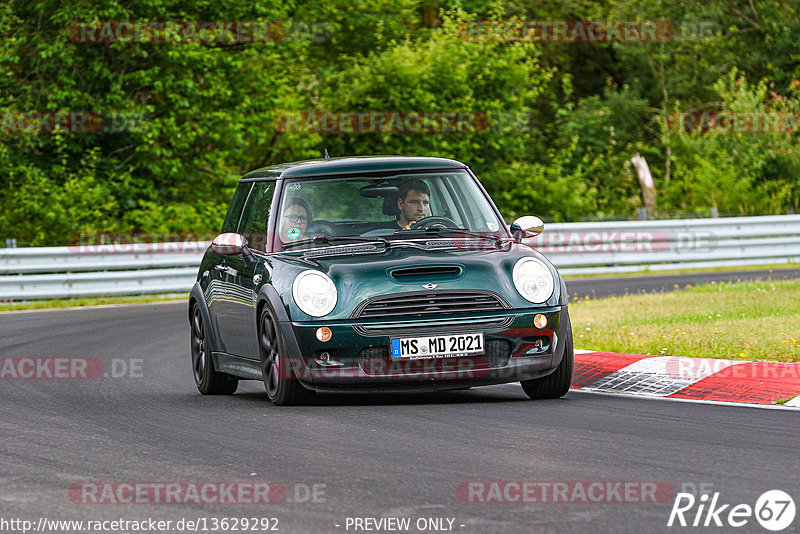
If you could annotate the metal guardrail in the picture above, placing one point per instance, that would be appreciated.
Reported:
(82, 258)
(630, 246)
(575, 248)
(102, 283)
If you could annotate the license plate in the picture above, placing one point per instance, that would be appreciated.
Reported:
(447, 346)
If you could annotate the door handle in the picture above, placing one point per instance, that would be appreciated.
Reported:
(220, 267)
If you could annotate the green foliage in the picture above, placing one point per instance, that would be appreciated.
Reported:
(546, 189)
(63, 203)
(747, 173)
(208, 113)
(433, 73)
(567, 117)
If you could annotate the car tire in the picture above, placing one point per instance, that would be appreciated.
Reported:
(556, 384)
(209, 381)
(283, 387)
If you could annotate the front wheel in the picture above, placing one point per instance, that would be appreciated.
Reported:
(556, 384)
(282, 385)
(208, 380)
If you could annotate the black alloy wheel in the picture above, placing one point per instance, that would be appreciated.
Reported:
(207, 379)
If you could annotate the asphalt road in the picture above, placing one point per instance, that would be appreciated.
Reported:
(377, 456)
(623, 285)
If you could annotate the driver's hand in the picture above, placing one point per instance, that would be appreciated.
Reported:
(409, 225)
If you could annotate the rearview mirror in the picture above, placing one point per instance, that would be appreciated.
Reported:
(528, 226)
(229, 244)
(382, 190)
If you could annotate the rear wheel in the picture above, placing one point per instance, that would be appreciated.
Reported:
(557, 383)
(208, 380)
(283, 387)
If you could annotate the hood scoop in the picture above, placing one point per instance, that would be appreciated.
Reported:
(426, 273)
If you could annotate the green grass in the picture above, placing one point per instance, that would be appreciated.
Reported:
(747, 320)
(742, 268)
(89, 301)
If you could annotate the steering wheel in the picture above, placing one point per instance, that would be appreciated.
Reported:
(321, 227)
(434, 221)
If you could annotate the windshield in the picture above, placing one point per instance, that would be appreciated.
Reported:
(394, 207)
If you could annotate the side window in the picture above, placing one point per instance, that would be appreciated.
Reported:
(256, 214)
(235, 208)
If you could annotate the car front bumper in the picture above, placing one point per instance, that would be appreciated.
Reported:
(357, 355)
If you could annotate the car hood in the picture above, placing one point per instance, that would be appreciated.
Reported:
(404, 269)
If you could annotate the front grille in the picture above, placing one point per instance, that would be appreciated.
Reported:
(429, 303)
(377, 361)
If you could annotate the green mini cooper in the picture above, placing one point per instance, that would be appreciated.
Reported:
(375, 274)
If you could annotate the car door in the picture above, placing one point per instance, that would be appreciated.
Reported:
(219, 285)
(237, 320)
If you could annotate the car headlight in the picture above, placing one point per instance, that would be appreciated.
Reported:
(314, 293)
(533, 280)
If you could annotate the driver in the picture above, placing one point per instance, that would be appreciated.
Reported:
(413, 203)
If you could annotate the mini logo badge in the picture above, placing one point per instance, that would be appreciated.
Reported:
(429, 286)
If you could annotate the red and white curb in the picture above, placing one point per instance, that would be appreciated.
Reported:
(700, 379)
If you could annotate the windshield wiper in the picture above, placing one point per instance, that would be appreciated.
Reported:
(463, 231)
(330, 239)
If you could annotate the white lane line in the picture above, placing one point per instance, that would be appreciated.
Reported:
(640, 396)
(794, 403)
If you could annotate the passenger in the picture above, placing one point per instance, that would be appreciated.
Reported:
(295, 220)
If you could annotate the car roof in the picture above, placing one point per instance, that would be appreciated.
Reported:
(316, 168)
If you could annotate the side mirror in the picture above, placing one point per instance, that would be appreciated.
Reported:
(230, 244)
(528, 226)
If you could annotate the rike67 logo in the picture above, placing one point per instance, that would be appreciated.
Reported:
(774, 510)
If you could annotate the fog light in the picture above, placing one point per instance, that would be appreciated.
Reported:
(540, 321)
(324, 333)
(324, 359)
(540, 345)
